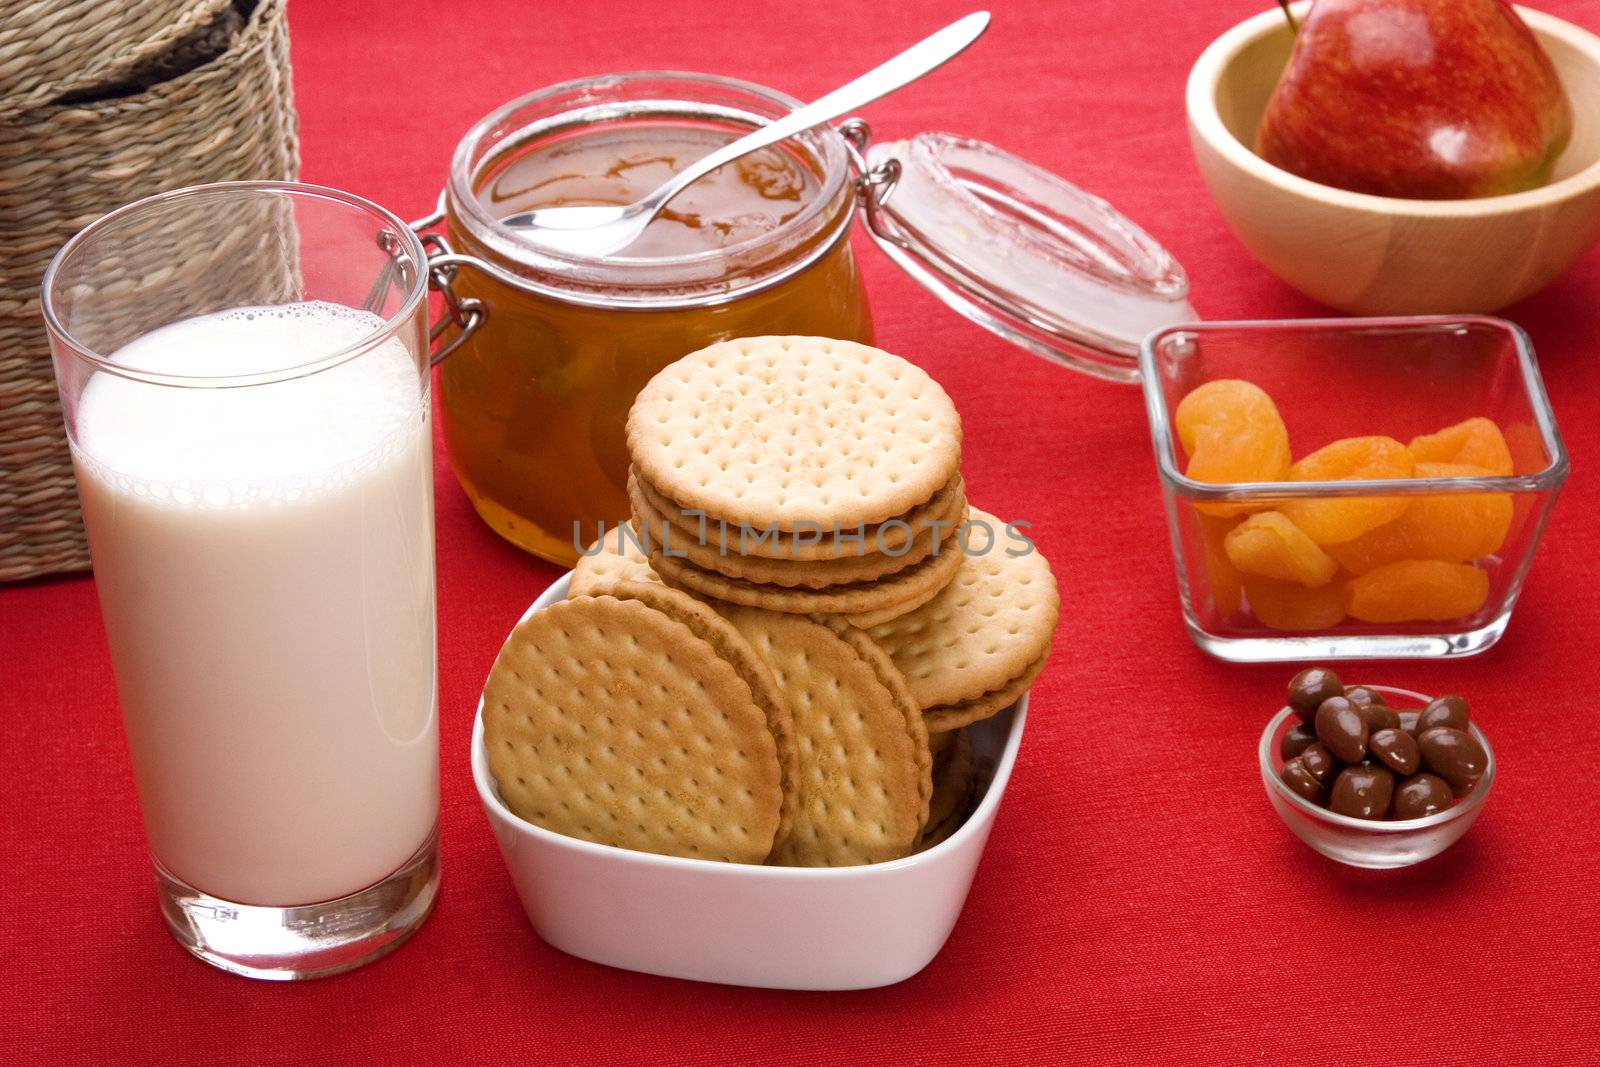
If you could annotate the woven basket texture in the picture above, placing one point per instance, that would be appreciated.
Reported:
(52, 48)
(63, 165)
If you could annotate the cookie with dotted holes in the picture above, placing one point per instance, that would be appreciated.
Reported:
(986, 630)
(790, 430)
(865, 780)
(616, 557)
(788, 573)
(731, 646)
(606, 720)
(938, 516)
(943, 718)
(619, 558)
(865, 619)
(892, 591)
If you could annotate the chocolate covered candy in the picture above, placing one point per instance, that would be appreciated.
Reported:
(1343, 728)
(1448, 711)
(1303, 783)
(1363, 791)
(1421, 795)
(1309, 688)
(1373, 708)
(1299, 738)
(1453, 755)
(1395, 749)
(1322, 764)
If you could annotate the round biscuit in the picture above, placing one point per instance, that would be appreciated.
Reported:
(794, 430)
(809, 574)
(616, 557)
(732, 647)
(940, 515)
(895, 682)
(946, 717)
(890, 591)
(864, 762)
(868, 619)
(621, 559)
(608, 721)
(988, 626)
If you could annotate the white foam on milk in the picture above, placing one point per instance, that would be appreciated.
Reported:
(251, 446)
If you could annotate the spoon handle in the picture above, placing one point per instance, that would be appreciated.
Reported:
(921, 58)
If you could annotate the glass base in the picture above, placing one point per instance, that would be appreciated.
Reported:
(1313, 647)
(308, 941)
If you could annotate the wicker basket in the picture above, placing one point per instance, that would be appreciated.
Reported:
(51, 48)
(64, 165)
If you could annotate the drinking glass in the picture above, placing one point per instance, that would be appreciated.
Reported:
(243, 371)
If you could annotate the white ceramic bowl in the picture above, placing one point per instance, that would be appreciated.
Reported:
(777, 927)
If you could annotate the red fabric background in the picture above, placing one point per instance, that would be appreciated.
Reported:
(1139, 900)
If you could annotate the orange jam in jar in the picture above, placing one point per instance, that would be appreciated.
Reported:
(534, 401)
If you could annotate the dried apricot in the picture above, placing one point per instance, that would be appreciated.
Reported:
(1427, 590)
(1228, 404)
(1221, 576)
(1270, 546)
(1452, 527)
(1288, 606)
(1232, 432)
(1337, 519)
(1475, 441)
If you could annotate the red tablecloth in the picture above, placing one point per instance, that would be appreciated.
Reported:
(1139, 900)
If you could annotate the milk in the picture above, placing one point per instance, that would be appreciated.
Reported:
(264, 559)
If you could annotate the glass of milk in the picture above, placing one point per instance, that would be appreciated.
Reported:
(243, 372)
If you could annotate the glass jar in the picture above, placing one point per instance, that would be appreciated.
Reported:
(533, 401)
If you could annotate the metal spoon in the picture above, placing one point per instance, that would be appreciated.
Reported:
(604, 229)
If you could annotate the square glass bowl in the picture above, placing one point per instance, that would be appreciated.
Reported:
(742, 924)
(1339, 378)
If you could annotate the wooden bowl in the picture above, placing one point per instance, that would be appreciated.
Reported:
(1377, 255)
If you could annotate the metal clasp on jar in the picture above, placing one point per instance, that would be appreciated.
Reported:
(874, 184)
(467, 314)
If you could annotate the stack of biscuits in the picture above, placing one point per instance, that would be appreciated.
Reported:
(776, 659)
(798, 474)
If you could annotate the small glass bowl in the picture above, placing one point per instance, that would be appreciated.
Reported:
(1338, 378)
(1368, 842)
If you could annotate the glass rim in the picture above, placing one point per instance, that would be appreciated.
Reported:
(1471, 802)
(465, 198)
(393, 323)
(1547, 479)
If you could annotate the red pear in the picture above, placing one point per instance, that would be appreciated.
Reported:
(1425, 99)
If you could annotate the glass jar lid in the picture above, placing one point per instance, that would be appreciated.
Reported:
(1023, 253)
